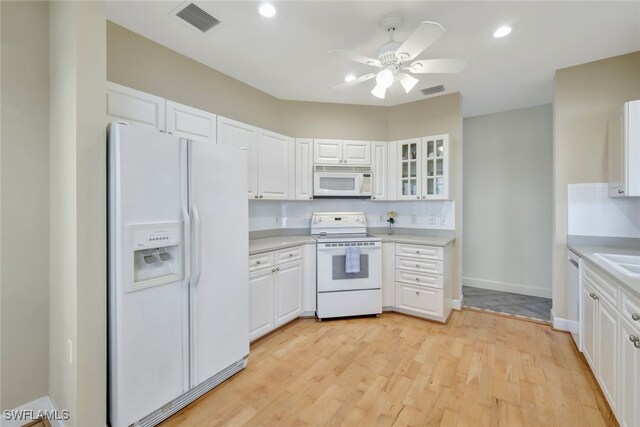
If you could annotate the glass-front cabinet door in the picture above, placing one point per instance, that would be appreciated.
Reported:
(435, 167)
(409, 156)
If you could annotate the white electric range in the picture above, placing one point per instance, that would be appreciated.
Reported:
(343, 290)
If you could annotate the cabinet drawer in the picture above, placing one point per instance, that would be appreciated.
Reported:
(424, 300)
(419, 279)
(421, 265)
(259, 261)
(608, 289)
(631, 309)
(419, 251)
(289, 254)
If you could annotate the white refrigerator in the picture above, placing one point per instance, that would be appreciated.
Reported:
(178, 288)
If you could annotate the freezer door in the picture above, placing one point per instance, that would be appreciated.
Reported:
(219, 290)
(148, 324)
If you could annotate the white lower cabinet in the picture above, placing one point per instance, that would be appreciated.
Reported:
(388, 275)
(629, 402)
(423, 282)
(611, 342)
(275, 288)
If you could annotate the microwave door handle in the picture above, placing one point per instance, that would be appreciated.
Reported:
(359, 183)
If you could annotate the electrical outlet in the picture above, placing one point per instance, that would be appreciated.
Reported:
(432, 220)
(277, 220)
(69, 351)
(381, 218)
(443, 220)
(414, 220)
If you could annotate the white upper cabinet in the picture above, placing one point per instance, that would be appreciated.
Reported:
(241, 135)
(303, 169)
(274, 152)
(341, 152)
(189, 122)
(623, 139)
(327, 151)
(392, 170)
(379, 164)
(134, 107)
(423, 168)
(356, 153)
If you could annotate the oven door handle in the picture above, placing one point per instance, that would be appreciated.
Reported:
(344, 248)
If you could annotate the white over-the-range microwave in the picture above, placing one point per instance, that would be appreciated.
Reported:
(342, 181)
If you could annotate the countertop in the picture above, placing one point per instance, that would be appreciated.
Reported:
(272, 243)
(587, 252)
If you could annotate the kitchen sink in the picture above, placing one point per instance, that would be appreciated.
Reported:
(628, 265)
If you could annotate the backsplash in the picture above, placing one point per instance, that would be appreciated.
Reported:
(266, 215)
(593, 213)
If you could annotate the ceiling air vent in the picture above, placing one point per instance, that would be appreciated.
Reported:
(197, 17)
(433, 89)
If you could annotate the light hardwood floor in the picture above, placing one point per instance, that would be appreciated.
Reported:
(478, 370)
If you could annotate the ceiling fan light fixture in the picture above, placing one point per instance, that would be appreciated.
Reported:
(379, 91)
(385, 78)
(408, 82)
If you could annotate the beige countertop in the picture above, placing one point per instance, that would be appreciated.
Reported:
(265, 244)
(587, 252)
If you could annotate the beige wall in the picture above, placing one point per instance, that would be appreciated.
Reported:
(584, 98)
(24, 194)
(78, 193)
(440, 114)
(140, 63)
(508, 201)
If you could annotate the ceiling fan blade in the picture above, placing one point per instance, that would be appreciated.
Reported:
(355, 57)
(437, 66)
(379, 91)
(347, 85)
(423, 37)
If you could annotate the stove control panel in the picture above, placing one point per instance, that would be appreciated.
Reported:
(338, 222)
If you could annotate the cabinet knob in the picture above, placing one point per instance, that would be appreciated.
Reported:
(257, 262)
(424, 197)
(310, 197)
(593, 296)
(290, 255)
(277, 268)
(417, 279)
(273, 270)
(417, 293)
(635, 316)
(633, 338)
(373, 197)
(255, 197)
(620, 191)
(417, 265)
(418, 197)
(261, 196)
(417, 252)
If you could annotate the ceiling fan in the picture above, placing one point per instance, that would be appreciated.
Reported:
(398, 60)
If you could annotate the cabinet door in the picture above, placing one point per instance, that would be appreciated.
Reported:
(629, 401)
(388, 275)
(241, 135)
(421, 300)
(589, 315)
(392, 172)
(304, 169)
(273, 165)
(288, 292)
(327, 151)
(261, 301)
(435, 167)
(607, 350)
(356, 153)
(616, 143)
(409, 178)
(189, 122)
(134, 107)
(379, 157)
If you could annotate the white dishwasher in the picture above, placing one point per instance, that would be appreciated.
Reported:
(573, 293)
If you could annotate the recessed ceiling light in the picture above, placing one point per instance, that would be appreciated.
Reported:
(349, 78)
(505, 30)
(267, 10)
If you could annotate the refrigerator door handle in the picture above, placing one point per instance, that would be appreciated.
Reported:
(187, 258)
(196, 247)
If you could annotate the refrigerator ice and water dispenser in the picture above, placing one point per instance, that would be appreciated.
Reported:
(155, 254)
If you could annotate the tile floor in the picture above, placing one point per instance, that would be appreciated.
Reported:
(505, 302)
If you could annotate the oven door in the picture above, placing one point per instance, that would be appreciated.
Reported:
(337, 184)
(331, 267)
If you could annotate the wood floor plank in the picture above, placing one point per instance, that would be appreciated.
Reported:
(478, 370)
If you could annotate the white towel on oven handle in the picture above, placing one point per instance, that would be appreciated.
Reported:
(352, 260)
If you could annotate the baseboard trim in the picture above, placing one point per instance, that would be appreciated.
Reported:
(43, 406)
(506, 287)
(564, 325)
(457, 304)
